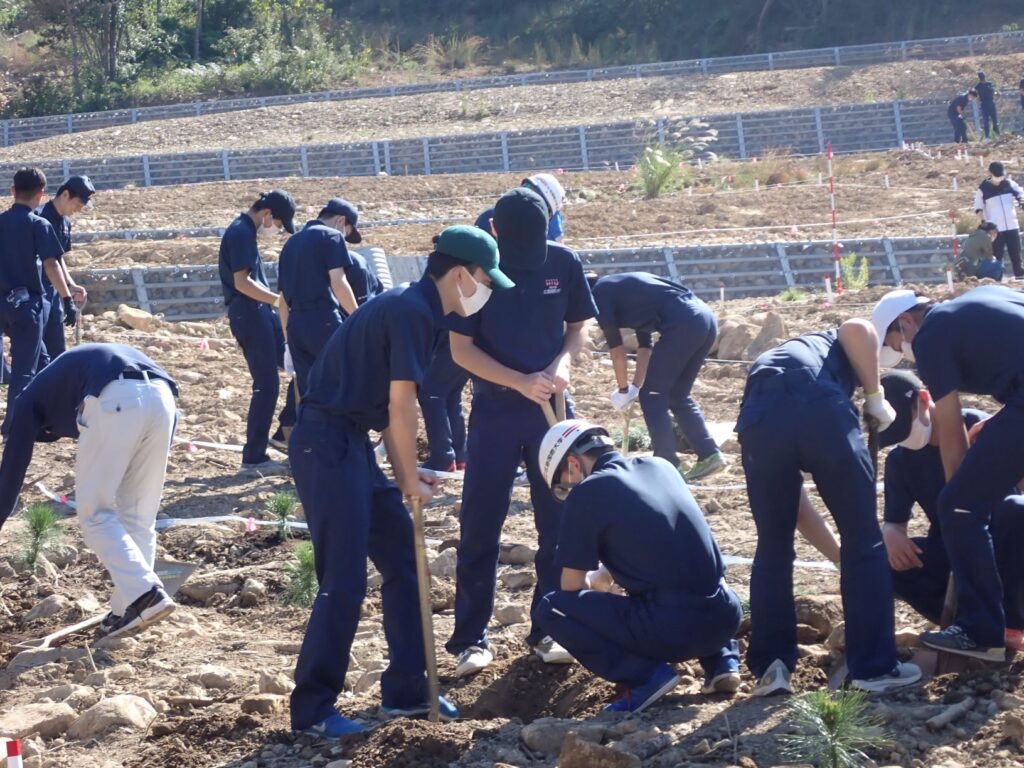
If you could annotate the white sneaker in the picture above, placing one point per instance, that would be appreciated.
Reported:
(775, 680)
(903, 675)
(472, 660)
(551, 652)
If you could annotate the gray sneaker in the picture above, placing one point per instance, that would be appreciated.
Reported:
(268, 468)
(775, 681)
(904, 674)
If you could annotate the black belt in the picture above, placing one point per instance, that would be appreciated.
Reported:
(131, 373)
(303, 306)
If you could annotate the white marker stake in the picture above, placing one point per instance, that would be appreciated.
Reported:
(887, 181)
(981, 162)
(949, 279)
(757, 185)
(828, 289)
(721, 292)
(956, 185)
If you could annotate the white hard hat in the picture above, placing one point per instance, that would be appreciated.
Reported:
(889, 307)
(563, 437)
(550, 189)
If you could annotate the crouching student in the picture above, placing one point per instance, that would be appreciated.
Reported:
(637, 518)
(914, 475)
(797, 416)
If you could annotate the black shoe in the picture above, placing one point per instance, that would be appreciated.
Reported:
(152, 607)
(108, 623)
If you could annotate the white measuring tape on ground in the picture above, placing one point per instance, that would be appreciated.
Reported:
(192, 445)
(67, 502)
(820, 565)
(249, 522)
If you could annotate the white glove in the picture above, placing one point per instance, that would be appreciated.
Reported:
(876, 406)
(289, 366)
(621, 400)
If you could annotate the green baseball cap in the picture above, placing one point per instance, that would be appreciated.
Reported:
(477, 247)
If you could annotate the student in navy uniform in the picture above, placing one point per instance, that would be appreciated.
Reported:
(664, 376)
(73, 196)
(957, 115)
(987, 101)
(914, 475)
(361, 277)
(314, 288)
(28, 248)
(253, 323)
(633, 522)
(440, 400)
(973, 344)
(797, 416)
(366, 379)
(519, 351)
(119, 405)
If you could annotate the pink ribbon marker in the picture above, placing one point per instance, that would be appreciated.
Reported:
(192, 448)
(204, 344)
(250, 525)
(63, 499)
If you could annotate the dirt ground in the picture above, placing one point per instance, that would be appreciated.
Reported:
(200, 669)
(530, 107)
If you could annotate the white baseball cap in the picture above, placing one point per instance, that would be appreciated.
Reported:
(889, 307)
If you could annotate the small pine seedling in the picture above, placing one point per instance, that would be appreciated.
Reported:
(42, 531)
(639, 439)
(834, 729)
(855, 272)
(300, 573)
(282, 506)
(792, 294)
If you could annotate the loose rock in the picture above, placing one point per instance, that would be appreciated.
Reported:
(121, 711)
(51, 606)
(511, 613)
(262, 704)
(577, 753)
(49, 720)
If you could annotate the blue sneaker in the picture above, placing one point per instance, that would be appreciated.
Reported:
(446, 709)
(724, 678)
(333, 727)
(636, 700)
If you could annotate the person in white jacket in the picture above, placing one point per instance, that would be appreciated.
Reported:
(994, 201)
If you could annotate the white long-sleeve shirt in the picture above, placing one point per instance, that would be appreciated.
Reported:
(997, 201)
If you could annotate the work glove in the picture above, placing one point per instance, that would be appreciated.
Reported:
(878, 408)
(70, 312)
(289, 366)
(621, 400)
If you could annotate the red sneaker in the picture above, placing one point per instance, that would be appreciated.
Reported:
(1015, 639)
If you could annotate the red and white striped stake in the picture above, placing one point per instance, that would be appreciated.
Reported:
(14, 754)
(835, 233)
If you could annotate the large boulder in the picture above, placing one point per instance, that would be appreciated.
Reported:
(773, 333)
(733, 341)
(121, 711)
(48, 719)
(138, 319)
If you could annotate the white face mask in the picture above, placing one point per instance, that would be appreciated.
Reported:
(908, 351)
(919, 435)
(889, 357)
(473, 304)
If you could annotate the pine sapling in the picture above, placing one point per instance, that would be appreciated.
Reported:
(42, 532)
(835, 729)
(301, 584)
(282, 507)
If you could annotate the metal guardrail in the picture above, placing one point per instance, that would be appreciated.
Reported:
(33, 128)
(742, 269)
(849, 127)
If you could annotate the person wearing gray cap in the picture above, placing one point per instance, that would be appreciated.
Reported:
(73, 197)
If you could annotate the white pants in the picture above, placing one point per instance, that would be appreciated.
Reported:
(124, 438)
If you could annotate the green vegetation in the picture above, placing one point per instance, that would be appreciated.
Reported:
(281, 506)
(661, 169)
(42, 532)
(301, 585)
(854, 270)
(792, 294)
(834, 729)
(87, 54)
(639, 440)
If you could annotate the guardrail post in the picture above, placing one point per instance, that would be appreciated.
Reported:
(787, 272)
(903, 50)
(590, 75)
(387, 157)
(704, 66)
(426, 156)
(835, 52)
(897, 114)
(135, 116)
(7, 133)
(458, 86)
(970, 45)
(670, 262)
(660, 126)
(263, 102)
(304, 161)
(392, 91)
(376, 159)
(199, 108)
(890, 256)
(65, 168)
(147, 178)
(771, 61)
(818, 129)
(504, 151)
(584, 155)
(740, 137)
(139, 279)
(224, 162)
(71, 123)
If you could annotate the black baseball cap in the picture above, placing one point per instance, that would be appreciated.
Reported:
(521, 220)
(80, 187)
(339, 207)
(901, 389)
(281, 206)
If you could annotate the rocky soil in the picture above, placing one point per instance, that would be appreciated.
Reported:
(531, 107)
(209, 686)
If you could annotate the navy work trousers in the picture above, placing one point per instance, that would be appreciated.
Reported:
(440, 399)
(1009, 242)
(990, 118)
(504, 428)
(253, 326)
(53, 328)
(23, 326)
(813, 429)
(308, 332)
(924, 589)
(353, 513)
(624, 639)
(966, 506)
(959, 128)
(687, 331)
